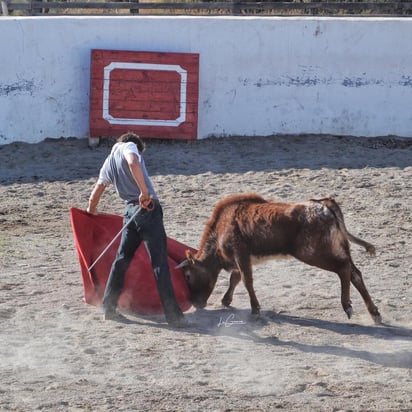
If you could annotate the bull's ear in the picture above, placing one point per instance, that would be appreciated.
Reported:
(190, 257)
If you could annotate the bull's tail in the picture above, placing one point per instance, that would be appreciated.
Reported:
(335, 209)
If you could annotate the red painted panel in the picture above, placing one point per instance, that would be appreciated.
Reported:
(153, 94)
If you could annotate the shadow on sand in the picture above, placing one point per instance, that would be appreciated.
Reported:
(240, 325)
(72, 159)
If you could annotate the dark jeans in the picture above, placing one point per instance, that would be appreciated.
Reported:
(147, 226)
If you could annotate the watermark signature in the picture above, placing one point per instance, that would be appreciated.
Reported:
(229, 321)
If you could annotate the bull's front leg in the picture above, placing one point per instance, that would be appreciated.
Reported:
(345, 276)
(234, 281)
(245, 269)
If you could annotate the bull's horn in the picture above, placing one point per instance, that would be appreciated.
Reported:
(182, 265)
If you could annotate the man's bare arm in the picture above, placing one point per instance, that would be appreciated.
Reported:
(95, 198)
(137, 172)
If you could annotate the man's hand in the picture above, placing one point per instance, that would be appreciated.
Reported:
(92, 211)
(145, 200)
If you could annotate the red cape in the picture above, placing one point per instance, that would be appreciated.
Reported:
(92, 233)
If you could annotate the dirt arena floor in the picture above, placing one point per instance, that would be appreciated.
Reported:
(57, 353)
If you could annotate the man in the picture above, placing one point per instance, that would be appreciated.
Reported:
(125, 169)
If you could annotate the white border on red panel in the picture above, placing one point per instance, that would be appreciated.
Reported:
(144, 66)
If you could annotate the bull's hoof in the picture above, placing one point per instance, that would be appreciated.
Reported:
(255, 312)
(349, 312)
(226, 302)
(377, 319)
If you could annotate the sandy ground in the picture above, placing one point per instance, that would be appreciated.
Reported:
(57, 354)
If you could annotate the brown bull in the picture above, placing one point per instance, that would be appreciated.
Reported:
(245, 228)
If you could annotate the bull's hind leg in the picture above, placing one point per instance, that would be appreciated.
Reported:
(357, 280)
(234, 281)
(342, 266)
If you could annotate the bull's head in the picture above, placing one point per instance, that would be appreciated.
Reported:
(200, 278)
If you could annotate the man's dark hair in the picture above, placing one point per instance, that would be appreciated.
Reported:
(132, 137)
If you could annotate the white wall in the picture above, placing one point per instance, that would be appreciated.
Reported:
(258, 76)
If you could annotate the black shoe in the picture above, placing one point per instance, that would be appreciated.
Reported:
(115, 316)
